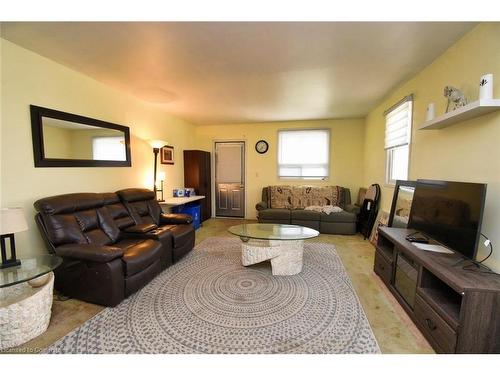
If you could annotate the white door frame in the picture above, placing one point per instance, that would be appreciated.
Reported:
(214, 183)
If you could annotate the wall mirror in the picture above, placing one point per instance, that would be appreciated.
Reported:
(62, 139)
(401, 204)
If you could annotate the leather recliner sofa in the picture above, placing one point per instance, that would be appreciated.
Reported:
(145, 210)
(110, 248)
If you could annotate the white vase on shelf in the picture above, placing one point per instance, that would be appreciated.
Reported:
(486, 86)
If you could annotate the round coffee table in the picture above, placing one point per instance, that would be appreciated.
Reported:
(282, 244)
(26, 299)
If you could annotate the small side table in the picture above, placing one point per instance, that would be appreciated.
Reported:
(188, 205)
(178, 201)
(26, 299)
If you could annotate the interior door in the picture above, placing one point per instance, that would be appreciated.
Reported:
(230, 179)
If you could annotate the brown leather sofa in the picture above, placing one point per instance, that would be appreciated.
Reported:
(145, 210)
(111, 248)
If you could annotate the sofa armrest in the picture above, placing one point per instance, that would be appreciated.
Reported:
(93, 253)
(175, 219)
(352, 208)
(261, 206)
(140, 228)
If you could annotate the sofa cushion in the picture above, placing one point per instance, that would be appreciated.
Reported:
(182, 234)
(338, 217)
(304, 196)
(305, 215)
(93, 253)
(337, 228)
(77, 218)
(275, 214)
(183, 237)
(140, 228)
(138, 254)
(68, 203)
(280, 197)
(142, 205)
(117, 211)
(63, 229)
(300, 197)
(135, 195)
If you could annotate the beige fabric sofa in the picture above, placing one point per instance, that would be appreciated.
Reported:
(284, 204)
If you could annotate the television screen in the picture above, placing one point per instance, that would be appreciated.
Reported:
(450, 213)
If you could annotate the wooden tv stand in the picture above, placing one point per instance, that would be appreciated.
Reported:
(458, 311)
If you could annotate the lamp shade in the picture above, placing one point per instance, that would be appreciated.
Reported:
(12, 221)
(161, 176)
(157, 143)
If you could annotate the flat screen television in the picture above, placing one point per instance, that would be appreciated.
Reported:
(450, 213)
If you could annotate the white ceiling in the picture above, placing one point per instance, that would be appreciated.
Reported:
(210, 73)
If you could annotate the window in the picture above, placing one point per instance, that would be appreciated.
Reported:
(397, 140)
(304, 153)
(108, 148)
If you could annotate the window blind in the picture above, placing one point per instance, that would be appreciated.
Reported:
(304, 153)
(398, 125)
(108, 148)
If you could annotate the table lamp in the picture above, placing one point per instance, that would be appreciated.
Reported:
(156, 144)
(161, 177)
(11, 221)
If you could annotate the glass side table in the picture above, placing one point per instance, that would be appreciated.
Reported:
(26, 299)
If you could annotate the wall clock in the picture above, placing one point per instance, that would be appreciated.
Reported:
(261, 146)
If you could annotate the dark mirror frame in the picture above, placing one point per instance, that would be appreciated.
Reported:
(395, 197)
(38, 146)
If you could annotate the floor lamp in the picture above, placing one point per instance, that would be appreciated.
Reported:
(157, 144)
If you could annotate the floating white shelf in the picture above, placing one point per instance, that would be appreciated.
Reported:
(471, 110)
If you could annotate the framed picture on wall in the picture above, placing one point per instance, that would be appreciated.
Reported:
(167, 155)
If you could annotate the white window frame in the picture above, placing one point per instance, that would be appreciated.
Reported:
(389, 150)
(388, 164)
(302, 178)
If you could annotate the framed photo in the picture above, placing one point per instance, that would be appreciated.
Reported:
(167, 155)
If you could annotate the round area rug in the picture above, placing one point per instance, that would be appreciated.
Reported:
(210, 303)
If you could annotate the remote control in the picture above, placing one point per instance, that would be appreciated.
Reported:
(417, 238)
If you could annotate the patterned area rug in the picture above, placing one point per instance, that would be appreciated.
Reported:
(210, 303)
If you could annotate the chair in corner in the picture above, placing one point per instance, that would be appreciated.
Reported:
(369, 210)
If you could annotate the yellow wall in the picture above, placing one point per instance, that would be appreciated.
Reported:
(28, 78)
(346, 151)
(467, 151)
(57, 142)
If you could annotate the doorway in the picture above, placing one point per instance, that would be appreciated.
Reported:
(230, 179)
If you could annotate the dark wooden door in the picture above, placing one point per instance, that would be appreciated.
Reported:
(197, 175)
